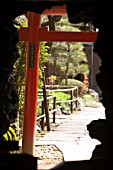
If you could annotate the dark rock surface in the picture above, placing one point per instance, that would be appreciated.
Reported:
(99, 13)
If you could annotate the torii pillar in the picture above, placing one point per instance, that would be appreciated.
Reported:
(31, 86)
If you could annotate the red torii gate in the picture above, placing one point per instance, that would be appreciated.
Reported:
(33, 35)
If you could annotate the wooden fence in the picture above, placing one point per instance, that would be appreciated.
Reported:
(73, 99)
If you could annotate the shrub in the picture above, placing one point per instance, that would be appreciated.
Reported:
(89, 101)
(61, 96)
(73, 82)
(39, 111)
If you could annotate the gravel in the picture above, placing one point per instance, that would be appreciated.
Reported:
(48, 156)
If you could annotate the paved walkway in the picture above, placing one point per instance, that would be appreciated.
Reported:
(72, 137)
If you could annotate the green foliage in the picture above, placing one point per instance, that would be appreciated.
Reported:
(68, 56)
(73, 82)
(87, 97)
(19, 73)
(22, 21)
(65, 25)
(61, 96)
(39, 111)
(43, 58)
(89, 101)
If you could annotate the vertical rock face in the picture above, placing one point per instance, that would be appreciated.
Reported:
(96, 13)
(103, 47)
(9, 38)
(101, 16)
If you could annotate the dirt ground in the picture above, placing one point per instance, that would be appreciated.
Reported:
(48, 156)
(47, 164)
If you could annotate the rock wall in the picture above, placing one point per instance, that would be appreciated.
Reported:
(97, 12)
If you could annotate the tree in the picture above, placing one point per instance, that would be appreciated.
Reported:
(50, 21)
(69, 56)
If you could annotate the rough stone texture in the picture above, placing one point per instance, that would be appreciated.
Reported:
(80, 11)
(8, 56)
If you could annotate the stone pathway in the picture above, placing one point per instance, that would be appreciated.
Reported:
(71, 136)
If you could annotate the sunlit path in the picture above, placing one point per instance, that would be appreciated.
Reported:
(72, 137)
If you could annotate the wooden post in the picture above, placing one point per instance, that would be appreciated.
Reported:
(46, 106)
(76, 96)
(42, 119)
(54, 107)
(71, 107)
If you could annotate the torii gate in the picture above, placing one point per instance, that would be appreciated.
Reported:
(33, 35)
